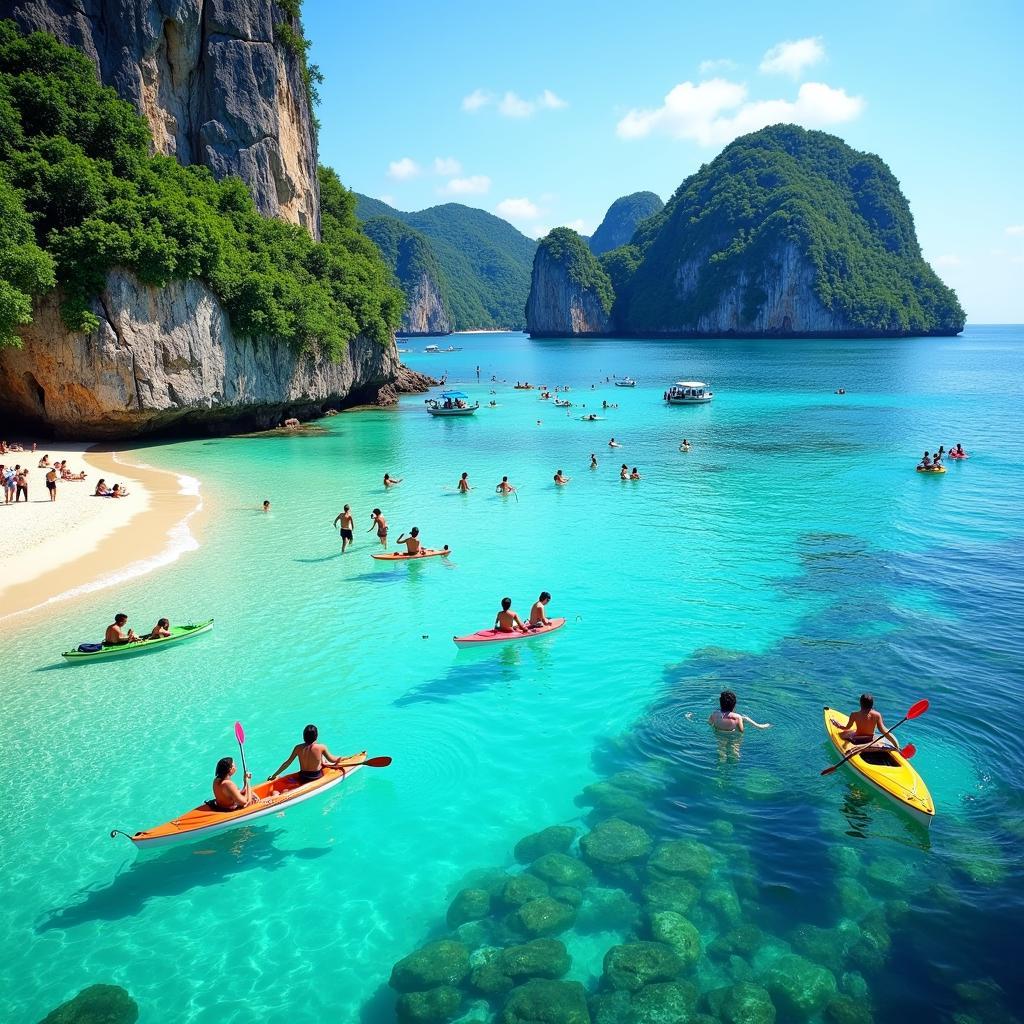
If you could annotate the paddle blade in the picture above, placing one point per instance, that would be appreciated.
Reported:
(908, 751)
(377, 762)
(239, 733)
(831, 768)
(918, 709)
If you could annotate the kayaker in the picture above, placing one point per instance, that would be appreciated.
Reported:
(226, 795)
(116, 635)
(926, 461)
(507, 621)
(312, 756)
(347, 526)
(464, 483)
(504, 487)
(380, 524)
(561, 479)
(161, 629)
(728, 719)
(537, 615)
(861, 725)
(412, 542)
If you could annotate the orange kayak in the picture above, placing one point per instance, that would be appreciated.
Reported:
(274, 797)
(401, 556)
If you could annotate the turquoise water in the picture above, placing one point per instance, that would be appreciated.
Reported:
(792, 555)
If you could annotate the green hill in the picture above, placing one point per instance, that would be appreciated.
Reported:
(622, 219)
(484, 262)
(782, 208)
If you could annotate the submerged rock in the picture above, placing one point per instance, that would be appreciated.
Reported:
(438, 963)
(435, 1006)
(681, 857)
(522, 888)
(544, 916)
(607, 909)
(614, 842)
(635, 964)
(742, 1003)
(546, 1002)
(608, 799)
(676, 894)
(541, 958)
(97, 1004)
(677, 933)
(800, 988)
(844, 1010)
(669, 1002)
(742, 940)
(468, 905)
(554, 839)
(560, 869)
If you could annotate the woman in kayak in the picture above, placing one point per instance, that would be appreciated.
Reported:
(161, 629)
(727, 719)
(226, 795)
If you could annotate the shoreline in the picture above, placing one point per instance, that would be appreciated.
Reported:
(106, 543)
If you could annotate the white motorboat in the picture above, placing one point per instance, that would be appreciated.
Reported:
(689, 392)
(451, 403)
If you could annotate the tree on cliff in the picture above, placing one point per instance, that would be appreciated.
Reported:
(75, 166)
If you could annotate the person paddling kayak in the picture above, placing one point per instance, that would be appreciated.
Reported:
(116, 633)
(860, 726)
(412, 542)
(727, 719)
(312, 756)
(226, 795)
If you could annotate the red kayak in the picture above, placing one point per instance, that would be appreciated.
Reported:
(496, 636)
(401, 556)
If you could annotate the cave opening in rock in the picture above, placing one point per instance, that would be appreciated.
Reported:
(35, 390)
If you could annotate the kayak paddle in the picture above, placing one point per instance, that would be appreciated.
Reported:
(370, 762)
(917, 710)
(240, 736)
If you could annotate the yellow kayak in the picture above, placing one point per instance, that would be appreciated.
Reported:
(885, 769)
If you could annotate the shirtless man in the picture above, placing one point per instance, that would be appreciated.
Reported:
(380, 524)
(312, 756)
(412, 542)
(226, 795)
(561, 479)
(504, 487)
(464, 483)
(861, 725)
(347, 526)
(390, 481)
(507, 621)
(537, 616)
(116, 634)
(727, 718)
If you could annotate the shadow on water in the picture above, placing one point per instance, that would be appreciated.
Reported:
(323, 558)
(175, 872)
(465, 677)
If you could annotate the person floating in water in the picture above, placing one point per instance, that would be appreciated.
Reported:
(507, 621)
(624, 472)
(116, 635)
(226, 795)
(727, 719)
(685, 446)
(312, 756)
(464, 483)
(504, 487)
(266, 505)
(635, 475)
(412, 542)
(614, 444)
(860, 726)
(537, 613)
(347, 526)
(380, 524)
(593, 461)
(391, 481)
(561, 479)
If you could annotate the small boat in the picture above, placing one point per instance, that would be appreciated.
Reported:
(94, 652)
(401, 556)
(454, 348)
(627, 382)
(886, 770)
(523, 387)
(431, 349)
(591, 417)
(451, 403)
(275, 796)
(689, 392)
(563, 405)
(931, 469)
(497, 636)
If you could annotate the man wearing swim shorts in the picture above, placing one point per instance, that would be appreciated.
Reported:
(347, 526)
(380, 524)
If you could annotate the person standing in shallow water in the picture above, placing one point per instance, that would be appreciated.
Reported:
(381, 525)
(727, 718)
(347, 526)
(464, 483)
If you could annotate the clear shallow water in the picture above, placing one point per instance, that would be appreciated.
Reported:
(792, 555)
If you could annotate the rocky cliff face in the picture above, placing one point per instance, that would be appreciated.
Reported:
(558, 304)
(425, 312)
(215, 83)
(167, 359)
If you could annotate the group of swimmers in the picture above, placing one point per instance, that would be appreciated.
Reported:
(929, 461)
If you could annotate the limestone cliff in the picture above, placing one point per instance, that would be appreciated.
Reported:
(213, 79)
(426, 312)
(569, 293)
(166, 359)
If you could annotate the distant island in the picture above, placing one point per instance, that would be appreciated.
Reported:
(787, 233)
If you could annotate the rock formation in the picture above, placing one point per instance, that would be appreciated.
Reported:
(166, 359)
(213, 78)
(622, 219)
(426, 312)
(563, 300)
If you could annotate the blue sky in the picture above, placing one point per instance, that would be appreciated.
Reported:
(544, 113)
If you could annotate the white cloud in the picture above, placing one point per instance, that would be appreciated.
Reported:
(447, 166)
(716, 111)
(521, 209)
(949, 259)
(579, 224)
(791, 57)
(1015, 229)
(551, 101)
(404, 169)
(513, 105)
(474, 185)
(475, 100)
(537, 231)
(390, 200)
(709, 67)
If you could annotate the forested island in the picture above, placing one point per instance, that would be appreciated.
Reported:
(787, 232)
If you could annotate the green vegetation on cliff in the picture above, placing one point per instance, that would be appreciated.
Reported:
(622, 219)
(565, 247)
(485, 263)
(840, 210)
(80, 195)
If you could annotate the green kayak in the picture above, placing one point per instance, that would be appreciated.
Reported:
(177, 633)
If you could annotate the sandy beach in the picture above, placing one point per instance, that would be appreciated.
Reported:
(54, 551)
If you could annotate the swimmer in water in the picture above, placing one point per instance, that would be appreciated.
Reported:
(504, 487)
(561, 479)
(593, 461)
(390, 481)
(464, 484)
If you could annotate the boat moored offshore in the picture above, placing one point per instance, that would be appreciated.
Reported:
(689, 392)
(451, 403)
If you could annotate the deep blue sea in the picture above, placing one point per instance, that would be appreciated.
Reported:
(792, 555)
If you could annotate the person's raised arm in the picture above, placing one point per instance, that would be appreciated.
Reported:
(291, 757)
(401, 539)
(756, 725)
